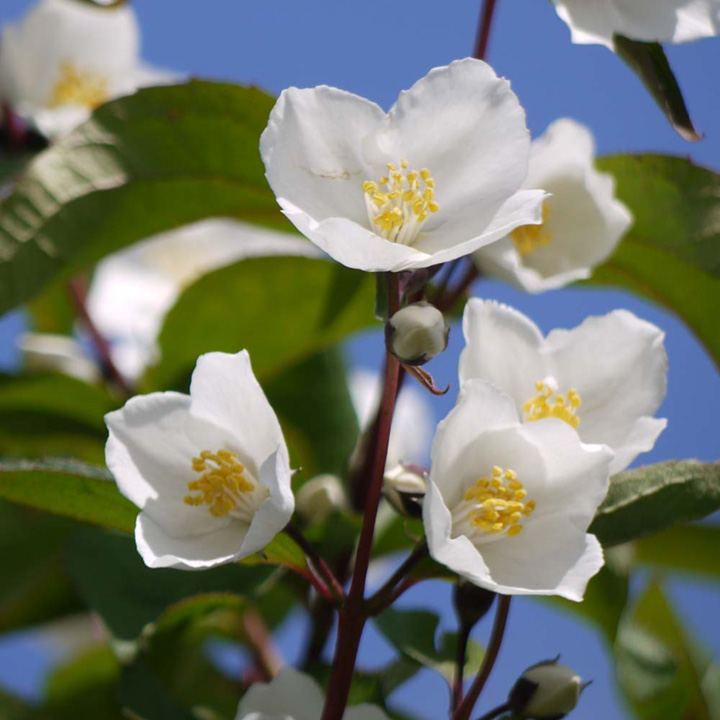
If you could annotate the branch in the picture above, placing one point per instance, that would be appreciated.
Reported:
(378, 602)
(267, 658)
(483, 33)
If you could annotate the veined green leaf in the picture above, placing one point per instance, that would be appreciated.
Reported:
(145, 163)
(674, 243)
(69, 488)
(644, 501)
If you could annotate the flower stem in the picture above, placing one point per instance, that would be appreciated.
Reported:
(378, 602)
(491, 654)
(316, 561)
(483, 32)
(499, 710)
(457, 686)
(449, 298)
(353, 615)
(267, 657)
(109, 369)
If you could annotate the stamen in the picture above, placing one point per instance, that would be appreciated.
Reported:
(78, 88)
(529, 238)
(494, 506)
(400, 203)
(546, 404)
(222, 486)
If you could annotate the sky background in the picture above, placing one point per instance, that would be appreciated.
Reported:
(376, 49)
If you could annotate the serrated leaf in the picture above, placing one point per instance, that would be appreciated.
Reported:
(649, 62)
(674, 243)
(279, 309)
(68, 488)
(649, 499)
(142, 164)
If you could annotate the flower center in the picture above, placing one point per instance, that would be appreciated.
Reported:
(492, 507)
(400, 203)
(548, 403)
(223, 486)
(78, 88)
(529, 238)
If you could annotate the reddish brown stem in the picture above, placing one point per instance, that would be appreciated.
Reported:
(354, 613)
(483, 32)
(457, 687)
(79, 296)
(267, 658)
(449, 299)
(491, 654)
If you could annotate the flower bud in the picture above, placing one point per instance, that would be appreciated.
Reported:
(320, 497)
(405, 487)
(546, 691)
(416, 333)
(471, 603)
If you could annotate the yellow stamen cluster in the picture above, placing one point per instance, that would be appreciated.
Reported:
(546, 405)
(501, 503)
(400, 202)
(529, 238)
(220, 484)
(78, 88)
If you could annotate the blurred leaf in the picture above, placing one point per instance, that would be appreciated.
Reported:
(280, 309)
(397, 533)
(53, 311)
(69, 488)
(687, 548)
(43, 415)
(335, 536)
(35, 587)
(649, 62)
(113, 580)
(316, 412)
(85, 687)
(12, 708)
(674, 243)
(144, 163)
(660, 668)
(649, 499)
(412, 633)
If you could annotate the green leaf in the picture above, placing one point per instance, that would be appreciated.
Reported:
(684, 548)
(113, 580)
(660, 668)
(85, 687)
(69, 488)
(316, 413)
(35, 587)
(44, 415)
(282, 310)
(145, 163)
(644, 501)
(674, 243)
(649, 62)
(12, 708)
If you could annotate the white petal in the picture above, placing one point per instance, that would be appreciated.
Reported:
(313, 151)
(291, 694)
(159, 549)
(617, 363)
(224, 391)
(502, 346)
(467, 127)
(149, 451)
(481, 407)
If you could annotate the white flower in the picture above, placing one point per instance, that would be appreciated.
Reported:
(606, 378)
(413, 419)
(583, 221)
(293, 695)
(674, 21)
(430, 181)
(209, 471)
(65, 58)
(508, 504)
(132, 290)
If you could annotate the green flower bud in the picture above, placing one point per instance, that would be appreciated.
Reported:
(546, 691)
(416, 333)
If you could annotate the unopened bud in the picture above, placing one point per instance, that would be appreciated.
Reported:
(405, 487)
(416, 333)
(546, 691)
(471, 603)
(320, 497)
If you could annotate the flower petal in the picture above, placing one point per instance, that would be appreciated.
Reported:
(191, 552)
(617, 362)
(313, 151)
(503, 347)
(290, 694)
(224, 391)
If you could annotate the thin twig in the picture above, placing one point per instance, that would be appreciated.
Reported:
(448, 300)
(457, 686)
(499, 710)
(379, 599)
(483, 33)
(491, 654)
(267, 657)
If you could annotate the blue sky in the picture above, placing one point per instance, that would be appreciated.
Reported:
(376, 49)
